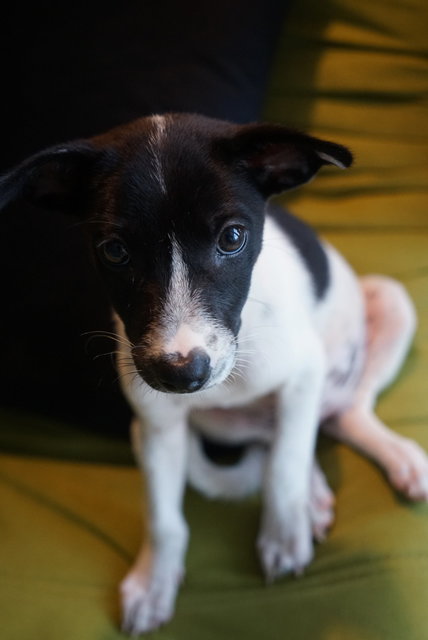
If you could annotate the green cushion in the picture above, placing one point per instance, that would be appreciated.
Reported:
(356, 72)
(69, 504)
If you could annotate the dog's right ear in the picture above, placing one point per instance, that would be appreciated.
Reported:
(58, 178)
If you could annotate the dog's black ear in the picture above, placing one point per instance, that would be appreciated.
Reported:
(58, 178)
(278, 159)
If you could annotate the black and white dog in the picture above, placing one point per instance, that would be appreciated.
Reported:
(234, 323)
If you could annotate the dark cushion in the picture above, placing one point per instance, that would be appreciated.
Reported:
(74, 73)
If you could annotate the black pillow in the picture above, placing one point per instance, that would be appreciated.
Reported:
(76, 69)
(73, 70)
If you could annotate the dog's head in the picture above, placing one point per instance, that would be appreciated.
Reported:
(175, 210)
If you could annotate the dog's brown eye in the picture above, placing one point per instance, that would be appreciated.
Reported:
(232, 239)
(113, 253)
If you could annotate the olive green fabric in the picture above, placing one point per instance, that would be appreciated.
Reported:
(355, 72)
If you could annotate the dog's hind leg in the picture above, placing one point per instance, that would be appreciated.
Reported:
(232, 482)
(321, 504)
(391, 321)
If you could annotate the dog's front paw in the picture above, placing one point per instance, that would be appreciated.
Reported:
(285, 544)
(148, 599)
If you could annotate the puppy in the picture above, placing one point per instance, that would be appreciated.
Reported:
(235, 323)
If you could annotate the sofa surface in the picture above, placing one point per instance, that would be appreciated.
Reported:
(356, 73)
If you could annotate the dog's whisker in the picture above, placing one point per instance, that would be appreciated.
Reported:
(257, 301)
(102, 221)
(110, 335)
(123, 367)
(245, 352)
(234, 375)
(242, 366)
(102, 332)
(125, 374)
(125, 361)
(244, 355)
(108, 353)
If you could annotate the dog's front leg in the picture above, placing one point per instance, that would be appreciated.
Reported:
(149, 590)
(285, 541)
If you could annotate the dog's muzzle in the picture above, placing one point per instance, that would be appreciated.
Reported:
(174, 373)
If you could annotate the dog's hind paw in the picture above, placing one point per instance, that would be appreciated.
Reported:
(148, 602)
(321, 504)
(406, 465)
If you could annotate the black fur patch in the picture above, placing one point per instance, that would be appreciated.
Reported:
(221, 453)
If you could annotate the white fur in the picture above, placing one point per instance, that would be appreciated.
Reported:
(291, 353)
(154, 143)
(185, 325)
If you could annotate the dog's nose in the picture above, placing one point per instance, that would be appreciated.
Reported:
(175, 373)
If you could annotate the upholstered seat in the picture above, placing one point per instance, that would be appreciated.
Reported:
(357, 73)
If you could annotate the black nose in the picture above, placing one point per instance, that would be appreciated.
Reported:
(175, 373)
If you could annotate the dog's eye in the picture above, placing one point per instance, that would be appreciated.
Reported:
(232, 239)
(113, 253)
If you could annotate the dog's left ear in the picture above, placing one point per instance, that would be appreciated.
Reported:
(58, 178)
(278, 159)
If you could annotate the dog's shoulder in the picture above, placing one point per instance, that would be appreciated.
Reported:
(307, 243)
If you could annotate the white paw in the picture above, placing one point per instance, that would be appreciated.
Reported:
(285, 544)
(148, 601)
(321, 505)
(406, 465)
